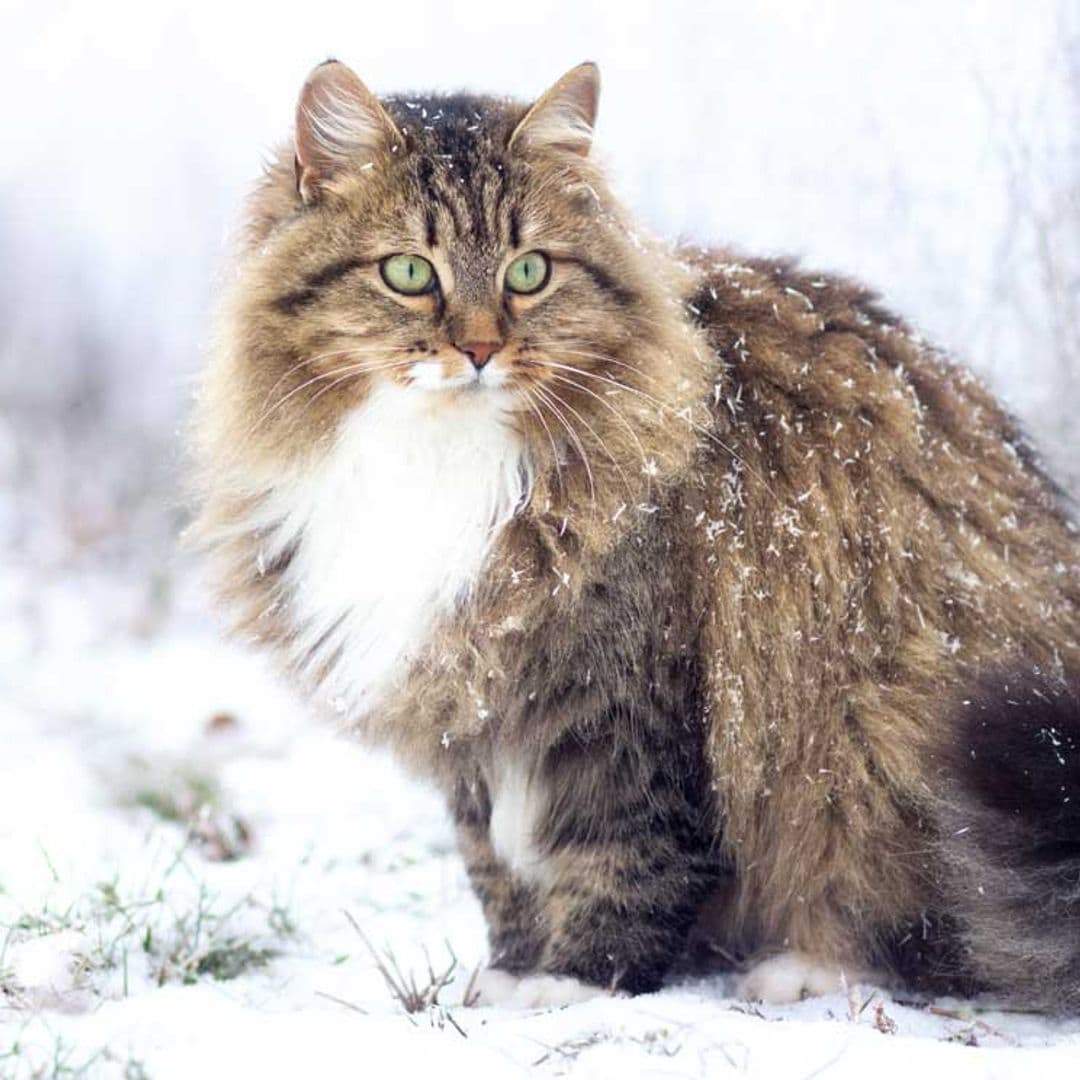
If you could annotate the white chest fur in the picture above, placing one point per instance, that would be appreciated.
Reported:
(391, 530)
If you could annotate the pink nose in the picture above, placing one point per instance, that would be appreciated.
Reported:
(479, 352)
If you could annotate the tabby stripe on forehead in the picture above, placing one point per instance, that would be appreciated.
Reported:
(452, 208)
(478, 209)
(432, 236)
(291, 302)
(428, 180)
(490, 199)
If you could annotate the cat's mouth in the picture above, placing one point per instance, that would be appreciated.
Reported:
(429, 375)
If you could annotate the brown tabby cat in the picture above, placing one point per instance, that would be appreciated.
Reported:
(692, 580)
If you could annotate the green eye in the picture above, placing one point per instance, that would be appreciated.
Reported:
(528, 273)
(408, 274)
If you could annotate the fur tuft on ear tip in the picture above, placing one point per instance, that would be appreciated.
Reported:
(563, 118)
(340, 127)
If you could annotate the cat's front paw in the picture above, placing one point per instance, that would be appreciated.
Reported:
(494, 987)
(792, 976)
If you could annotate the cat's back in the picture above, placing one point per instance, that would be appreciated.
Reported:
(865, 490)
(829, 345)
(815, 374)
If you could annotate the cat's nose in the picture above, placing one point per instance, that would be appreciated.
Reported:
(478, 352)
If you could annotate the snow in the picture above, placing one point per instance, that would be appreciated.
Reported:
(116, 919)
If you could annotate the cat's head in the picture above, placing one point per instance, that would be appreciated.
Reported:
(460, 247)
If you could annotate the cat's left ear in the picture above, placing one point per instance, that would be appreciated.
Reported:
(563, 118)
(340, 127)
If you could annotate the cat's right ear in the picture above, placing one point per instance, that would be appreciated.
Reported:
(562, 120)
(340, 128)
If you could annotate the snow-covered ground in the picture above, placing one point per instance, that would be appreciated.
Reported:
(195, 879)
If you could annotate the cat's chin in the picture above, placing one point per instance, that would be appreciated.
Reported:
(428, 375)
(471, 393)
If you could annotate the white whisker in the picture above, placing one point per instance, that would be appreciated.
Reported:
(607, 405)
(592, 431)
(665, 406)
(551, 438)
(547, 397)
(360, 368)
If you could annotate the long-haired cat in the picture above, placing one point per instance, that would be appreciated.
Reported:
(708, 593)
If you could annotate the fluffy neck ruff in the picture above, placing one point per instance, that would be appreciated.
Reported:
(389, 531)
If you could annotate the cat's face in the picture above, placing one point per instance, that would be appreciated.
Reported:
(462, 248)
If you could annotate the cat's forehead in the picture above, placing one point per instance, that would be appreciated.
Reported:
(463, 128)
(458, 154)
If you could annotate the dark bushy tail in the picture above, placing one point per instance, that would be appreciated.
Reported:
(1010, 833)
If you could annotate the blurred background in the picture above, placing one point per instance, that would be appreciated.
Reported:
(929, 148)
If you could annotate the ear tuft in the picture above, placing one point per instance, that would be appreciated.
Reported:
(562, 119)
(340, 127)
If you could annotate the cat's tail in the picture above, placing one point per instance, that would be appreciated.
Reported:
(1010, 838)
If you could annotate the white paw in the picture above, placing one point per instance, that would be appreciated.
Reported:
(494, 987)
(792, 976)
(490, 987)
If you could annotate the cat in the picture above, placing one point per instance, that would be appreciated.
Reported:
(720, 606)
